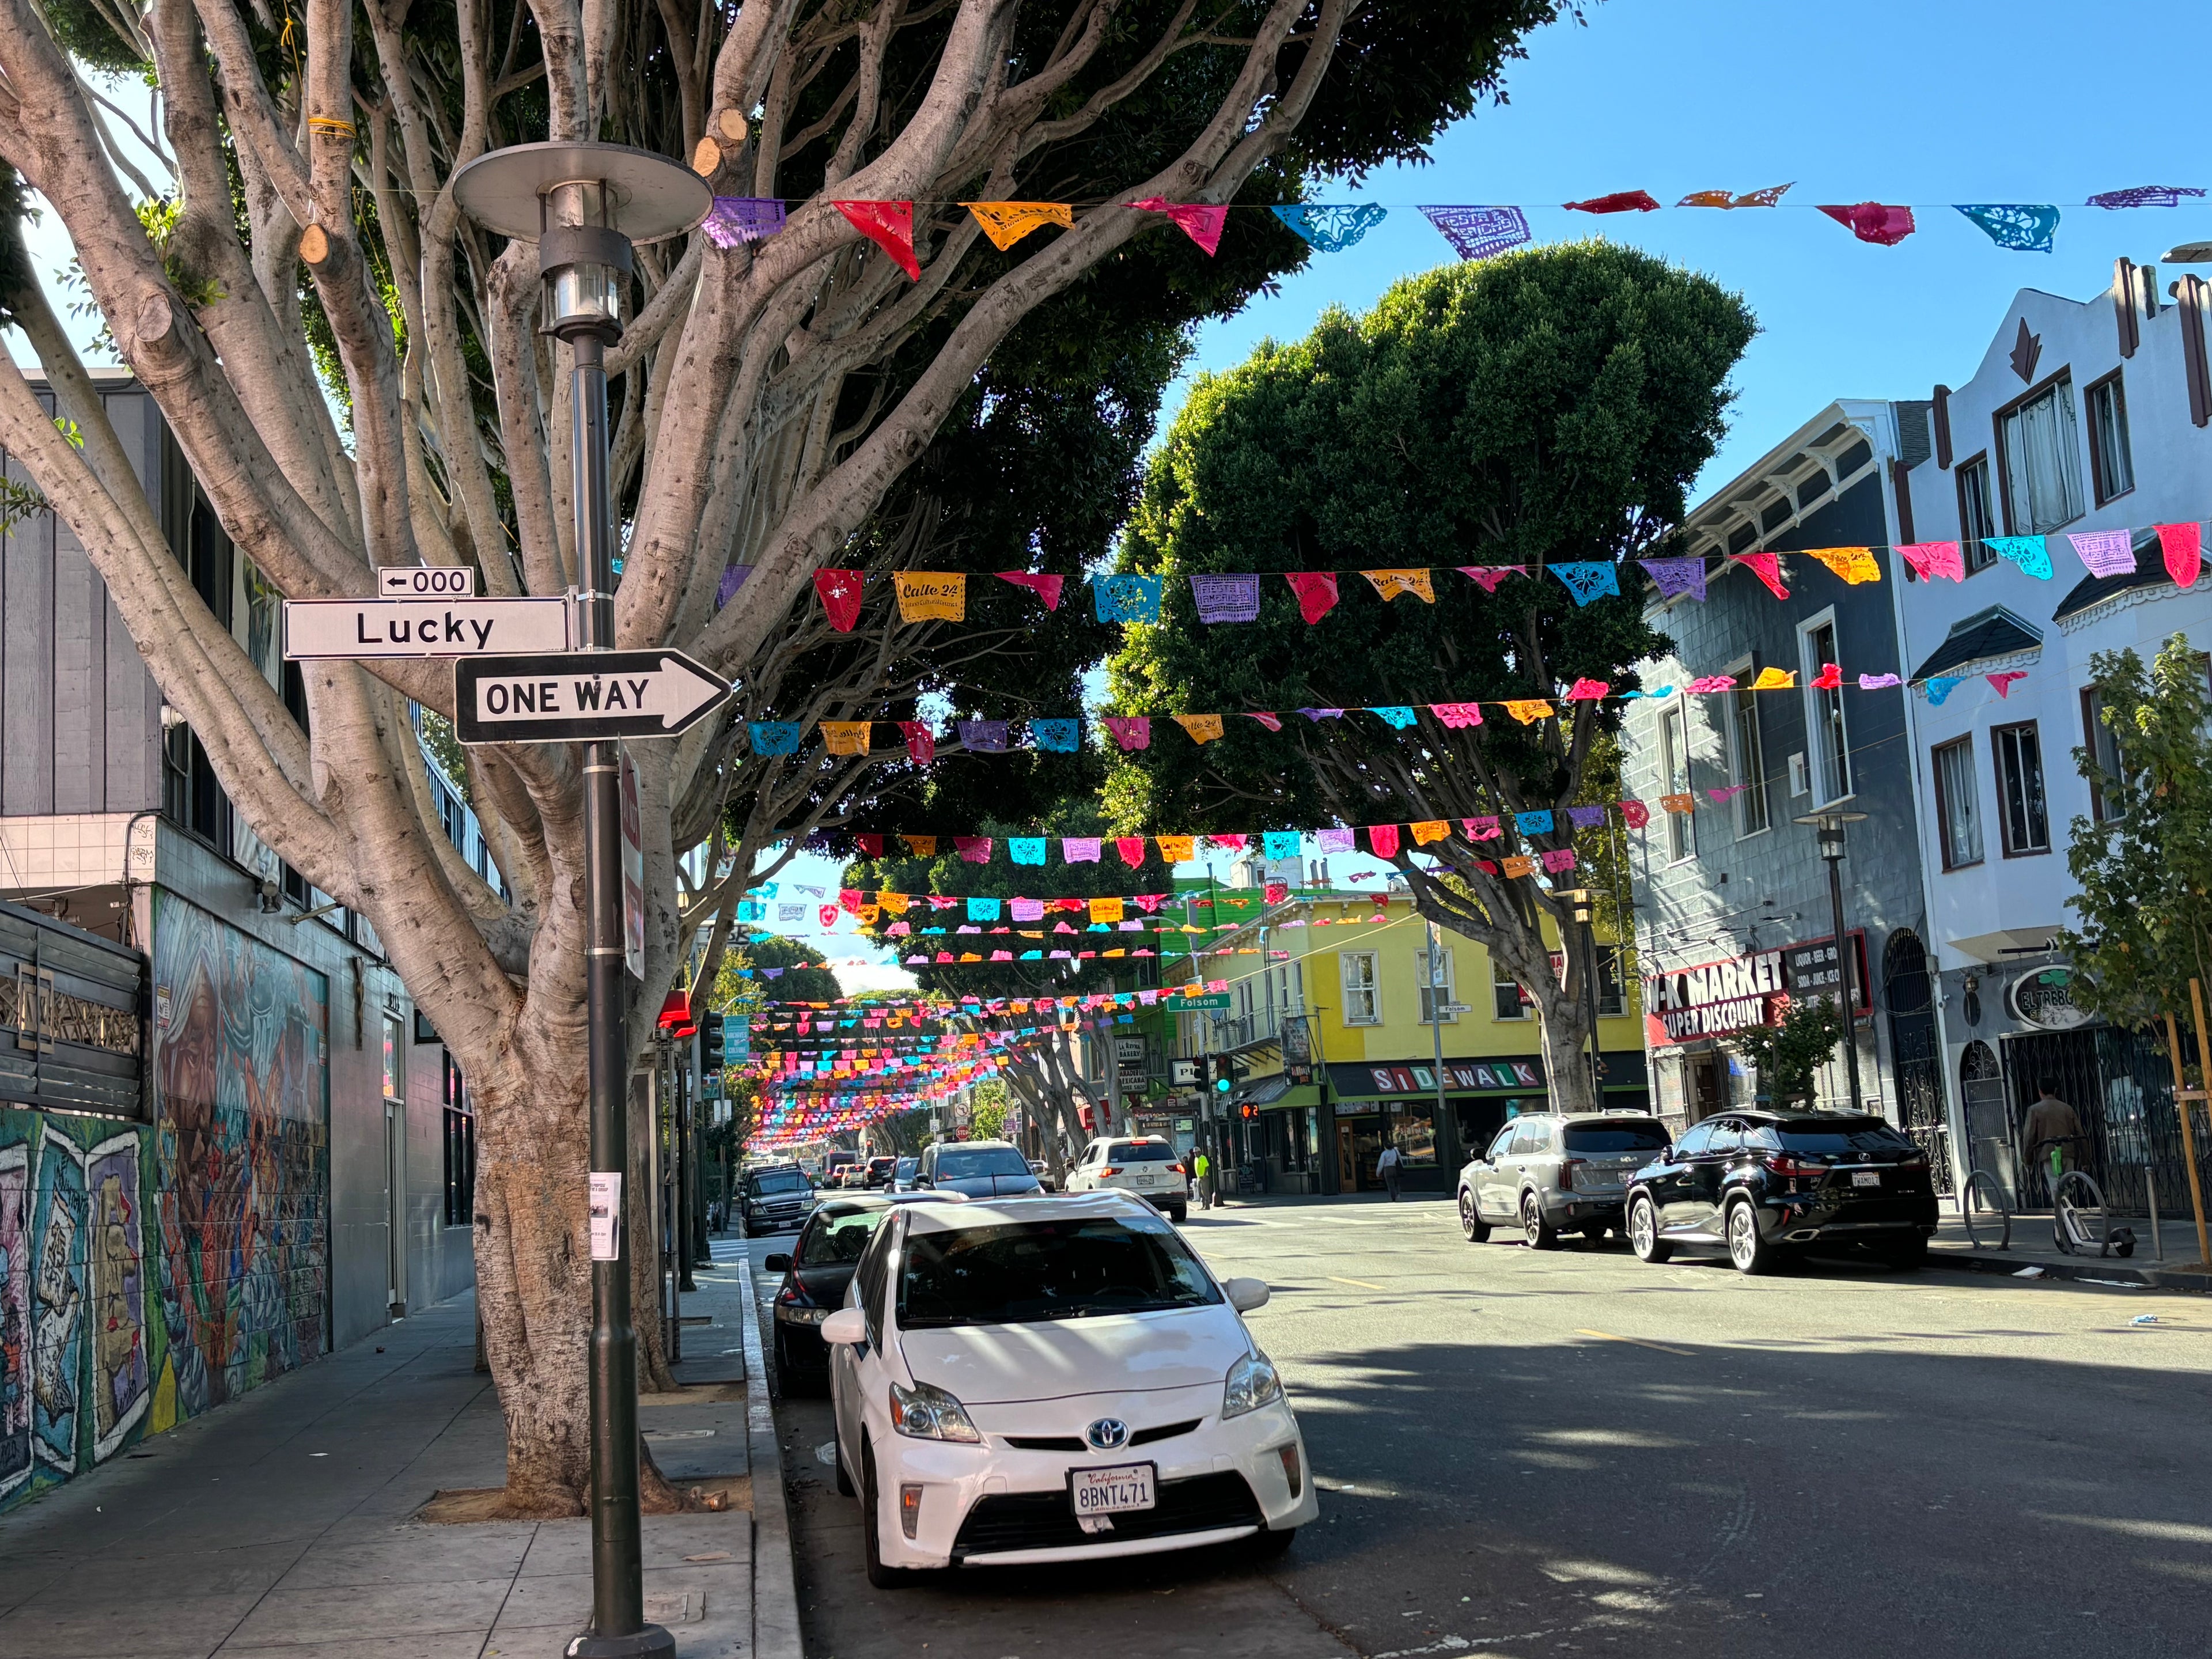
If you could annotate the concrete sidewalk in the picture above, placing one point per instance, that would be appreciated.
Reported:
(2032, 1245)
(282, 1525)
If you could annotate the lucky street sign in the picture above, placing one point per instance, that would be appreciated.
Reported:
(423, 627)
(581, 696)
(444, 581)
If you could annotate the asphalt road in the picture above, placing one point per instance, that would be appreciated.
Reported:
(1525, 1453)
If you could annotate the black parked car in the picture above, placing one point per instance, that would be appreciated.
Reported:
(774, 1197)
(815, 1276)
(1763, 1184)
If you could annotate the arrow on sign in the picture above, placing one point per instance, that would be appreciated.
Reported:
(581, 696)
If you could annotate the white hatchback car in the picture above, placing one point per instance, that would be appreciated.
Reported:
(1147, 1166)
(1054, 1379)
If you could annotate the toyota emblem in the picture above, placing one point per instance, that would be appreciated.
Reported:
(1107, 1434)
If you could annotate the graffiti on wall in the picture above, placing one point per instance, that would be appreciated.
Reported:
(149, 1271)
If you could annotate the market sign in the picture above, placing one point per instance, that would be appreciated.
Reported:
(1740, 994)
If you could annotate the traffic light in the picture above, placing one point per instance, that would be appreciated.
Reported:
(710, 1041)
(1220, 1073)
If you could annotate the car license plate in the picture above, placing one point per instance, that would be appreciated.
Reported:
(1866, 1177)
(1143, 1180)
(1113, 1490)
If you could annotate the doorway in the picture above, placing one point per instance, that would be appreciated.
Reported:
(1708, 1091)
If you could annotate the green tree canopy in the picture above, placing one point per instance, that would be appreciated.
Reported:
(1548, 407)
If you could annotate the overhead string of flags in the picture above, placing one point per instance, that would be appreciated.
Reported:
(1475, 231)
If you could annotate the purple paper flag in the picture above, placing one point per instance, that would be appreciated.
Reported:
(1226, 598)
(2106, 552)
(1878, 682)
(2142, 195)
(1080, 849)
(737, 219)
(1332, 841)
(983, 737)
(1586, 817)
(1678, 576)
(1478, 233)
(1317, 715)
(733, 580)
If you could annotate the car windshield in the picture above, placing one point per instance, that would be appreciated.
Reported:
(962, 1165)
(1141, 1151)
(1629, 1135)
(839, 1240)
(1844, 1138)
(1075, 1268)
(907, 1166)
(778, 1181)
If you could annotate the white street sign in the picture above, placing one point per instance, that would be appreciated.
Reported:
(581, 696)
(425, 581)
(423, 627)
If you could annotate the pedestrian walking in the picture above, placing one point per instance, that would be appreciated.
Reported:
(2051, 1132)
(1387, 1166)
(1202, 1167)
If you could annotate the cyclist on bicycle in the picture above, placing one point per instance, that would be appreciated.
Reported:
(2052, 1124)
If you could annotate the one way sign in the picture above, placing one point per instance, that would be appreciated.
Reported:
(580, 696)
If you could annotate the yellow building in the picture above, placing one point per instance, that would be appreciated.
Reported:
(1330, 1029)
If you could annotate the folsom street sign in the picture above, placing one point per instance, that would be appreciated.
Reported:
(583, 697)
(426, 627)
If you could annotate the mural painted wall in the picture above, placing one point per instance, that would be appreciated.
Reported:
(148, 1272)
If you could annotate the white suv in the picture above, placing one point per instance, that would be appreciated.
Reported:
(1148, 1167)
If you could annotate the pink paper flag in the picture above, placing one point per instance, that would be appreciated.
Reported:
(1635, 814)
(1229, 843)
(1557, 858)
(1316, 592)
(1199, 221)
(1587, 690)
(1131, 730)
(2183, 547)
(1483, 829)
(975, 850)
(889, 225)
(1383, 838)
(1131, 849)
(1767, 567)
(1874, 222)
(1045, 587)
(1722, 797)
(1932, 559)
(1487, 576)
(1457, 715)
(2002, 684)
(2105, 552)
(840, 592)
(1272, 722)
(920, 741)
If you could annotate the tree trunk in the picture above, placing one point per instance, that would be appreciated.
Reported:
(1564, 1038)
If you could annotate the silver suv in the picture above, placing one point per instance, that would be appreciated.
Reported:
(1555, 1172)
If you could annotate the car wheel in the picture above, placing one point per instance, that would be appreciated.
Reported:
(1470, 1219)
(837, 1450)
(1748, 1251)
(1909, 1255)
(1270, 1542)
(881, 1577)
(1536, 1233)
(797, 1379)
(1179, 1214)
(1644, 1232)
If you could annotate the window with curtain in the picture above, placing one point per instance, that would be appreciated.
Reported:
(2104, 747)
(2111, 459)
(1958, 814)
(1507, 999)
(1362, 996)
(2042, 458)
(2022, 813)
(1436, 991)
(1674, 767)
(1976, 517)
(1749, 757)
(1832, 746)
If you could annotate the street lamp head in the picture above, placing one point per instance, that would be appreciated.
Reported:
(585, 206)
(1830, 826)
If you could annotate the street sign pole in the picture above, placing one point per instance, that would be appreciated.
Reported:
(584, 204)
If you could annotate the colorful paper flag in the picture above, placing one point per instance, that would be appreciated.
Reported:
(1203, 728)
(1006, 223)
(1331, 227)
(846, 736)
(1621, 201)
(1878, 682)
(1457, 715)
(1853, 564)
(1774, 680)
(1026, 849)
(1391, 583)
(1059, 737)
(1635, 814)
(1480, 232)
(2183, 547)
(1528, 710)
(2002, 684)
(738, 219)
(1045, 587)
(1226, 598)
(921, 846)
(1200, 221)
(1129, 596)
(840, 593)
(1932, 559)
(1675, 577)
(2030, 553)
(732, 578)
(774, 737)
(2141, 195)
(931, 595)
(1383, 838)
(1396, 716)
(2104, 552)
(1517, 865)
(889, 225)
(920, 741)
(1131, 849)
(1491, 827)
(1589, 690)
(975, 849)
(1177, 849)
(1532, 823)
(1678, 804)
(1767, 567)
(2022, 226)
(1874, 222)
(1428, 830)
(1557, 858)
(1130, 731)
(1487, 576)
(1589, 579)
(982, 737)
(1315, 590)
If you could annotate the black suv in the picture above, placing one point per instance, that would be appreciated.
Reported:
(771, 1199)
(1758, 1184)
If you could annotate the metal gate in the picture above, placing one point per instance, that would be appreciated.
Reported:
(1915, 1055)
(2120, 1085)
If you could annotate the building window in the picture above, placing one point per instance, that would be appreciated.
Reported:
(1832, 746)
(1746, 758)
(395, 1059)
(1507, 999)
(1438, 989)
(1675, 768)
(2042, 461)
(1362, 996)
(460, 1150)
(1957, 815)
(2020, 808)
(1978, 519)
(1612, 999)
(2104, 747)
(2112, 464)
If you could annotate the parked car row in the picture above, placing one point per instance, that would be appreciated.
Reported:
(1757, 1186)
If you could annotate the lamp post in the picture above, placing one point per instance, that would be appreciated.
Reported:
(1830, 826)
(1584, 906)
(585, 205)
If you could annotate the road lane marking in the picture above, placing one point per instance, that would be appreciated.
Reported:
(1361, 1282)
(1607, 1336)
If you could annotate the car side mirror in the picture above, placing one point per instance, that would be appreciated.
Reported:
(846, 1328)
(778, 1263)
(1246, 1295)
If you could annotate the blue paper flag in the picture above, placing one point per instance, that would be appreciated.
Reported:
(1026, 849)
(982, 910)
(1532, 823)
(1278, 843)
(2023, 226)
(1396, 716)
(1332, 227)
(1062, 737)
(774, 737)
(1127, 597)
(1590, 580)
(1940, 686)
(2028, 552)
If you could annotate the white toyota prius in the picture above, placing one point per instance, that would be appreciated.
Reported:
(1054, 1379)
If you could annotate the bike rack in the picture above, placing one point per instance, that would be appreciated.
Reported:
(1996, 1203)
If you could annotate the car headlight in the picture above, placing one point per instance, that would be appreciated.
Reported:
(923, 1412)
(1251, 1383)
(801, 1315)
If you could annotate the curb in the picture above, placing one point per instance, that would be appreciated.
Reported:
(776, 1590)
(2111, 1270)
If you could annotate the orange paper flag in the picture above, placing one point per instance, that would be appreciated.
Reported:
(1431, 829)
(1520, 866)
(1853, 564)
(931, 595)
(1527, 711)
(1105, 909)
(846, 736)
(1006, 223)
(1774, 680)
(1177, 849)
(1391, 583)
(1203, 728)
